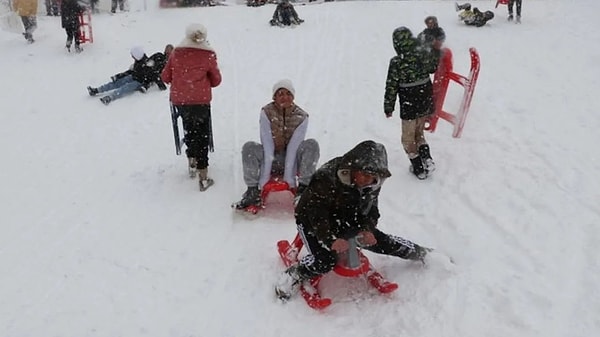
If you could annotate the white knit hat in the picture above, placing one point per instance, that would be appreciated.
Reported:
(196, 37)
(137, 52)
(286, 84)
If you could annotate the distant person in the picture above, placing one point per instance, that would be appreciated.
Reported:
(52, 7)
(283, 150)
(192, 70)
(511, 3)
(473, 17)
(285, 15)
(27, 10)
(69, 17)
(115, 3)
(139, 77)
(408, 79)
(433, 36)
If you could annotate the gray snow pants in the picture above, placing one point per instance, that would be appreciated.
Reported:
(306, 161)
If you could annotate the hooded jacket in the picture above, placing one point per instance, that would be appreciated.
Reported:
(332, 206)
(410, 67)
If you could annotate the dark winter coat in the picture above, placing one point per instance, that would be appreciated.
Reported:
(149, 73)
(332, 206)
(409, 68)
(69, 12)
(429, 35)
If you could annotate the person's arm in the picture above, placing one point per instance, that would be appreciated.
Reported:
(167, 73)
(391, 88)
(291, 152)
(214, 74)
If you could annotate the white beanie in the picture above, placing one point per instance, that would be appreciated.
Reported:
(137, 52)
(196, 37)
(286, 84)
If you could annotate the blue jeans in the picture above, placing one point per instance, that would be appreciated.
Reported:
(122, 87)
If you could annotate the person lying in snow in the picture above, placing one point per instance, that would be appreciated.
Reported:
(140, 76)
(473, 17)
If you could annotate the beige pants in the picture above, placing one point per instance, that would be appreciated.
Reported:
(413, 135)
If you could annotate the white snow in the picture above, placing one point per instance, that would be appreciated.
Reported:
(103, 234)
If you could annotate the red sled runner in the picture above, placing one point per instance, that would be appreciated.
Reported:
(441, 80)
(354, 264)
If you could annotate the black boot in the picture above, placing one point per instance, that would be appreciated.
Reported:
(417, 168)
(250, 198)
(92, 91)
(425, 155)
(465, 6)
(106, 100)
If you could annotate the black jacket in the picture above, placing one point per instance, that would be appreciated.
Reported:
(332, 206)
(69, 11)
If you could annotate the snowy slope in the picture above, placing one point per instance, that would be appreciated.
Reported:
(103, 234)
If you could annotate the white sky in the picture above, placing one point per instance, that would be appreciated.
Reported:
(103, 234)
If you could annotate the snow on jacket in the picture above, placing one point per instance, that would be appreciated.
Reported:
(25, 7)
(192, 72)
(332, 206)
(281, 131)
(69, 12)
(410, 67)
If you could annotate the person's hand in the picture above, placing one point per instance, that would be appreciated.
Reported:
(340, 246)
(437, 44)
(388, 114)
(366, 239)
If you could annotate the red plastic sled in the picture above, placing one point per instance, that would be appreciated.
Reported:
(276, 184)
(501, 2)
(441, 80)
(350, 267)
(85, 27)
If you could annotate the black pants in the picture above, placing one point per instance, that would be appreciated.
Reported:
(121, 3)
(198, 132)
(510, 7)
(416, 101)
(73, 34)
(321, 260)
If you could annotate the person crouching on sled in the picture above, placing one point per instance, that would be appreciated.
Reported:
(340, 203)
(283, 150)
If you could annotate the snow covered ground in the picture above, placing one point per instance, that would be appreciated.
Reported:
(103, 234)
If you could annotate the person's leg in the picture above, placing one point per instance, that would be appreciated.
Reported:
(510, 5)
(127, 88)
(252, 157)
(112, 85)
(196, 123)
(113, 6)
(396, 246)
(307, 159)
(518, 8)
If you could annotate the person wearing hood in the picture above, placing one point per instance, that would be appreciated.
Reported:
(283, 150)
(192, 70)
(408, 79)
(139, 77)
(341, 203)
(433, 36)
